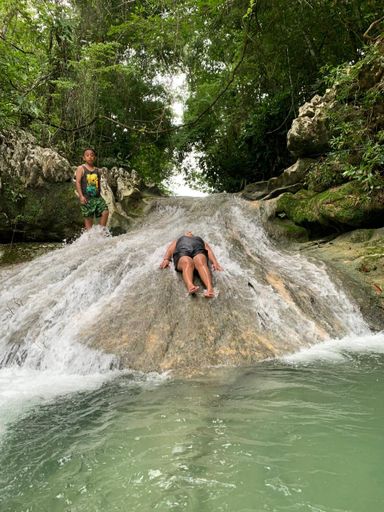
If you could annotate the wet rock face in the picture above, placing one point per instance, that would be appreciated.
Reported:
(109, 293)
(358, 259)
(263, 307)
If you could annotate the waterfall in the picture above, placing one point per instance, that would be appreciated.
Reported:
(102, 302)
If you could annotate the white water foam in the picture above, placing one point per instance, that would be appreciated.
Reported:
(23, 388)
(301, 273)
(43, 305)
(46, 304)
(338, 350)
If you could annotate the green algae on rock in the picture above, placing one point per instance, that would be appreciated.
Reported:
(358, 258)
(337, 209)
(11, 254)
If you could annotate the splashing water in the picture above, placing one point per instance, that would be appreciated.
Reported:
(57, 311)
(86, 435)
(98, 284)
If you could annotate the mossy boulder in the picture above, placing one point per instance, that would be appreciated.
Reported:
(291, 180)
(335, 210)
(285, 229)
(19, 253)
(50, 212)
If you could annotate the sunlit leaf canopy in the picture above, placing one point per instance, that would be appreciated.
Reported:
(82, 73)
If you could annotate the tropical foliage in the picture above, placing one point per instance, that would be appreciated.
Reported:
(355, 125)
(91, 72)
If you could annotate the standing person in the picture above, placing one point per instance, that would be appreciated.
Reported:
(191, 253)
(88, 187)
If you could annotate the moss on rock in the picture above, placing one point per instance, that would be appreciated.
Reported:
(324, 174)
(337, 209)
(361, 235)
(286, 229)
(295, 207)
(359, 257)
(19, 253)
(51, 212)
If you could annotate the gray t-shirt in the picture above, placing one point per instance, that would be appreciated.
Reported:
(188, 246)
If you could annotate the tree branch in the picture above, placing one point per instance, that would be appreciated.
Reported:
(157, 131)
(78, 128)
(214, 101)
(15, 46)
(371, 26)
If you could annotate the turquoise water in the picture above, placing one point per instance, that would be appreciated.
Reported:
(274, 437)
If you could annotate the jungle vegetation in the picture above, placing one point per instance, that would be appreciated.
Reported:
(81, 73)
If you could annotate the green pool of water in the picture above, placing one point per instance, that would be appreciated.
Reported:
(269, 438)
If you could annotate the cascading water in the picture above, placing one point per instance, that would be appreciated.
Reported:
(271, 436)
(108, 293)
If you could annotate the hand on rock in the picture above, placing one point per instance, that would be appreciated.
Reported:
(164, 263)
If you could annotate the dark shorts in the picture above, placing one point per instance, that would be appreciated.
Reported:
(191, 254)
(94, 207)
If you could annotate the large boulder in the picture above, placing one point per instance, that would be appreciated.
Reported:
(291, 180)
(37, 193)
(37, 199)
(127, 197)
(308, 135)
(335, 210)
(34, 166)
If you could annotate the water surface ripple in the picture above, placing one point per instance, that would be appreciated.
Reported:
(274, 437)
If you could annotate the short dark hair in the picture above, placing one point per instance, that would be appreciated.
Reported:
(89, 149)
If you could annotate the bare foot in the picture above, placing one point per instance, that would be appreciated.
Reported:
(209, 294)
(192, 290)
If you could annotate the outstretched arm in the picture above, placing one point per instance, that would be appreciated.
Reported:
(79, 175)
(212, 258)
(168, 255)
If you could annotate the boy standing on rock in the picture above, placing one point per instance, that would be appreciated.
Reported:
(88, 187)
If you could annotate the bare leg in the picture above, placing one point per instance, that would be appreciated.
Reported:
(201, 264)
(88, 222)
(104, 218)
(186, 266)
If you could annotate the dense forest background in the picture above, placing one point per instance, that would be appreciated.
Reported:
(79, 73)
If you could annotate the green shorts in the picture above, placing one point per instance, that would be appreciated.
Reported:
(94, 207)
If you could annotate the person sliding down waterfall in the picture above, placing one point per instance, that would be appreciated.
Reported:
(191, 253)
